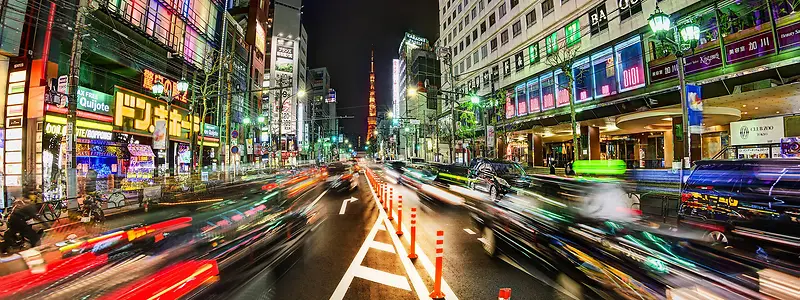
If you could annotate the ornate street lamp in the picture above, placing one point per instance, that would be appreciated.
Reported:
(158, 88)
(659, 21)
(183, 86)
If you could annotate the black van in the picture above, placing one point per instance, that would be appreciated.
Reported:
(745, 202)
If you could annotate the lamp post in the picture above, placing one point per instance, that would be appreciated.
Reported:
(158, 91)
(689, 34)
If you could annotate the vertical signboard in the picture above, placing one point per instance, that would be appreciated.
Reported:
(160, 135)
(396, 87)
(14, 121)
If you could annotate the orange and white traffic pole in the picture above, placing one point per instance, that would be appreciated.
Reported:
(382, 192)
(437, 278)
(399, 215)
(412, 254)
(505, 294)
(385, 200)
(391, 196)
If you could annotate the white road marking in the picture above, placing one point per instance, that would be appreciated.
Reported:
(482, 240)
(344, 204)
(316, 200)
(416, 280)
(469, 231)
(382, 246)
(382, 277)
(382, 228)
(344, 284)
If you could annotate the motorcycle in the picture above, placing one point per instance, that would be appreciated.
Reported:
(91, 211)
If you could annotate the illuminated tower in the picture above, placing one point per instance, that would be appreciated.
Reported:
(372, 121)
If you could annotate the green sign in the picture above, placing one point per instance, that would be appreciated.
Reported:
(533, 52)
(573, 33)
(551, 43)
(94, 101)
(211, 131)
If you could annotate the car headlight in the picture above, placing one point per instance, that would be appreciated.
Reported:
(502, 181)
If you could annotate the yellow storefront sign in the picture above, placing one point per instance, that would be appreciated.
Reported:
(135, 112)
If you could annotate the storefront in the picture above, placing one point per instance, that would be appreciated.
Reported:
(208, 146)
(759, 138)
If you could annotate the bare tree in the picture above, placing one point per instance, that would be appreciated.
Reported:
(563, 58)
(209, 88)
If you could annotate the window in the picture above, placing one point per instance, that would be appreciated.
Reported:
(476, 57)
(466, 20)
(475, 34)
(474, 12)
(516, 28)
(483, 27)
(460, 8)
(547, 7)
(564, 1)
(507, 67)
(460, 26)
(454, 15)
(530, 18)
(504, 37)
(467, 41)
(492, 19)
(448, 20)
(461, 46)
(449, 37)
(493, 44)
(455, 50)
(486, 78)
(455, 33)
(469, 62)
(480, 5)
(484, 51)
(628, 8)
(501, 11)
(461, 67)
(466, 2)
(514, 3)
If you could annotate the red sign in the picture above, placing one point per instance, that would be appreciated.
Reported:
(170, 86)
(509, 106)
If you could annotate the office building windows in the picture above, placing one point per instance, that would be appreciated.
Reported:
(547, 7)
(516, 28)
(504, 37)
(530, 17)
(501, 12)
(493, 44)
(493, 20)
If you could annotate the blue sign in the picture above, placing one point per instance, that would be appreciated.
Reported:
(694, 103)
(235, 149)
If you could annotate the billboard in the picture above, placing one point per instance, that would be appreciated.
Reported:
(331, 98)
(284, 76)
(396, 87)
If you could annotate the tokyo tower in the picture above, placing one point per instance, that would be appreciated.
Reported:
(372, 121)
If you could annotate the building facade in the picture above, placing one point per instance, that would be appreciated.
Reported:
(322, 116)
(623, 82)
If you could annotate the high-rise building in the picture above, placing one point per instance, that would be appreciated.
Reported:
(287, 78)
(372, 121)
(410, 112)
(624, 81)
(322, 117)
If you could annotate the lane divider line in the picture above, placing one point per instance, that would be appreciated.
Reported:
(382, 246)
(416, 280)
(469, 231)
(347, 279)
(382, 277)
(430, 268)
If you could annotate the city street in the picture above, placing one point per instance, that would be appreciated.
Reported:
(354, 256)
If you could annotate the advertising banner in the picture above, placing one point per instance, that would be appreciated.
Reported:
(490, 136)
(789, 36)
(759, 131)
(694, 103)
(160, 135)
(751, 47)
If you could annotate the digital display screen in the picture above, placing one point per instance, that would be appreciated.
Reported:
(605, 74)
(522, 100)
(582, 75)
(562, 97)
(548, 91)
(533, 95)
(630, 66)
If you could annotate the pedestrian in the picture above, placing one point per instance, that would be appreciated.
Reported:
(18, 224)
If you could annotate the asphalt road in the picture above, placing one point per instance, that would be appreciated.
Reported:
(358, 255)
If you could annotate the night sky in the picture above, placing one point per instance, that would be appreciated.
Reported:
(340, 36)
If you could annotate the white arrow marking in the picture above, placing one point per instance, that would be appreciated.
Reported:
(344, 204)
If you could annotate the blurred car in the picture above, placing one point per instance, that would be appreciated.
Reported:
(496, 177)
(753, 204)
(342, 177)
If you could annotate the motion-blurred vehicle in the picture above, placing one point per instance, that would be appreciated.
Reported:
(571, 235)
(754, 204)
(342, 177)
(496, 177)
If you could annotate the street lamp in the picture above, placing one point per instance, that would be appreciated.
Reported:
(183, 86)
(158, 90)
(246, 121)
(475, 99)
(260, 119)
(301, 93)
(689, 34)
(389, 115)
(412, 92)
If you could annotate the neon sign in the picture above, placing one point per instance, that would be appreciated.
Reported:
(137, 113)
(170, 86)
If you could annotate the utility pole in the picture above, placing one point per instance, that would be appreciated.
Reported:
(227, 144)
(74, 71)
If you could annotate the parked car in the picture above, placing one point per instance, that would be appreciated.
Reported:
(342, 177)
(753, 204)
(497, 177)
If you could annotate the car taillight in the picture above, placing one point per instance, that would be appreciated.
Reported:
(348, 176)
(706, 188)
(685, 197)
